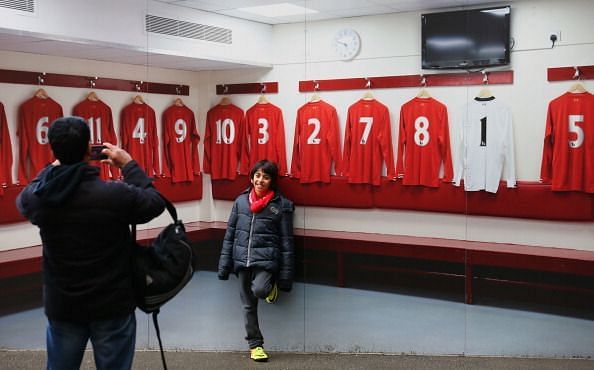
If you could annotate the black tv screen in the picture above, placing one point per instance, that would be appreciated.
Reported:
(467, 39)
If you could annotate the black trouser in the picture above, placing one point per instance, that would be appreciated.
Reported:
(254, 284)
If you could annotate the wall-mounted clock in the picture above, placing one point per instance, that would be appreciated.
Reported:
(347, 43)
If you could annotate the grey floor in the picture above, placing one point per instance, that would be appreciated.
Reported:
(315, 318)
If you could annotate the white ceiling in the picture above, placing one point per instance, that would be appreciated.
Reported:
(327, 9)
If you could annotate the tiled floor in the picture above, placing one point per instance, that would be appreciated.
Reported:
(318, 318)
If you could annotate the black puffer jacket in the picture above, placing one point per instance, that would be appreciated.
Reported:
(84, 226)
(261, 240)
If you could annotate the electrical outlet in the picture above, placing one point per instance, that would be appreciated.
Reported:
(556, 34)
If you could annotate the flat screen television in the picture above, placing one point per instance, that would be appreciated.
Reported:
(467, 39)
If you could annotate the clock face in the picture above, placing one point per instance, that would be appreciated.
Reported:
(347, 43)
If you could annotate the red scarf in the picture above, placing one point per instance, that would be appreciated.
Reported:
(256, 205)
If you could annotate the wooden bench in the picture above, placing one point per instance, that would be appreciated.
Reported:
(22, 261)
(470, 255)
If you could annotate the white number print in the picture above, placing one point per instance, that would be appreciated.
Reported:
(313, 138)
(139, 132)
(368, 121)
(95, 128)
(225, 131)
(41, 130)
(572, 121)
(421, 131)
(263, 131)
(181, 130)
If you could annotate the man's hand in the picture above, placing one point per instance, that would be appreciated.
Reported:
(116, 156)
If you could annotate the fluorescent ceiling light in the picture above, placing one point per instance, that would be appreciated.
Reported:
(277, 10)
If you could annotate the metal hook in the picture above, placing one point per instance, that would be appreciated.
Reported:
(225, 89)
(485, 77)
(92, 81)
(139, 85)
(316, 85)
(423, 81)
(576, 74)
(263, 90)
(178, 90)
(41, 78)
(368, 83)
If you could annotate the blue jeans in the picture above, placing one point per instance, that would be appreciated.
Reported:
(113, 343)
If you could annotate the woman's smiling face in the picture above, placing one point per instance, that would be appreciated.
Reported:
(261, 182)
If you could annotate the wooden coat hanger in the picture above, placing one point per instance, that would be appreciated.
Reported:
(41, 93)
(577, 88)
(423, 94)
(485, 93)
(138, 99)
(225, 101)
(92, 96)
(263, 99)
(315, 98)
(368, 96)
(178, 102)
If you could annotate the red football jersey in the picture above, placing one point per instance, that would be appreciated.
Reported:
(367, 143)
(35, 117)
(180, 144)
(138, 131)
(316, 144)
(100, 120)
(424, 143)
(5, 152)
(265, 137)
(223, 140)
(568, 153)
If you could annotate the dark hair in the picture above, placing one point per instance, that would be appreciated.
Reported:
(268, 167)
(69, 138)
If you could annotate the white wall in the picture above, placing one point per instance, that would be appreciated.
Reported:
(122, 24)
(391, 46)
(12, 95)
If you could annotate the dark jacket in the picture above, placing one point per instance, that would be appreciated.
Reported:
(261, 240)
(84, 227)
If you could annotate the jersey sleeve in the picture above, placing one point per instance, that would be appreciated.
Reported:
(5, 150)
(444, 146)
(547, 150)
(281, 151)
(165, 168)
(207, 144)
(296, 157)
(334, 140)
(386, 144)
(401, 145)
(195, 140)
(23, 147)
(508, 152)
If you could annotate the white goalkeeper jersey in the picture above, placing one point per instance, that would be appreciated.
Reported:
(486, 143)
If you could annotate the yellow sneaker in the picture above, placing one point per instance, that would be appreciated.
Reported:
(273, 295)
(257, 354)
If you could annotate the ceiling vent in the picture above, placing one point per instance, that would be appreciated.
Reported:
(20, 5)
(189, 30)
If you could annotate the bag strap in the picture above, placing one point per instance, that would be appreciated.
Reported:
(170, 207)
(156, 324)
